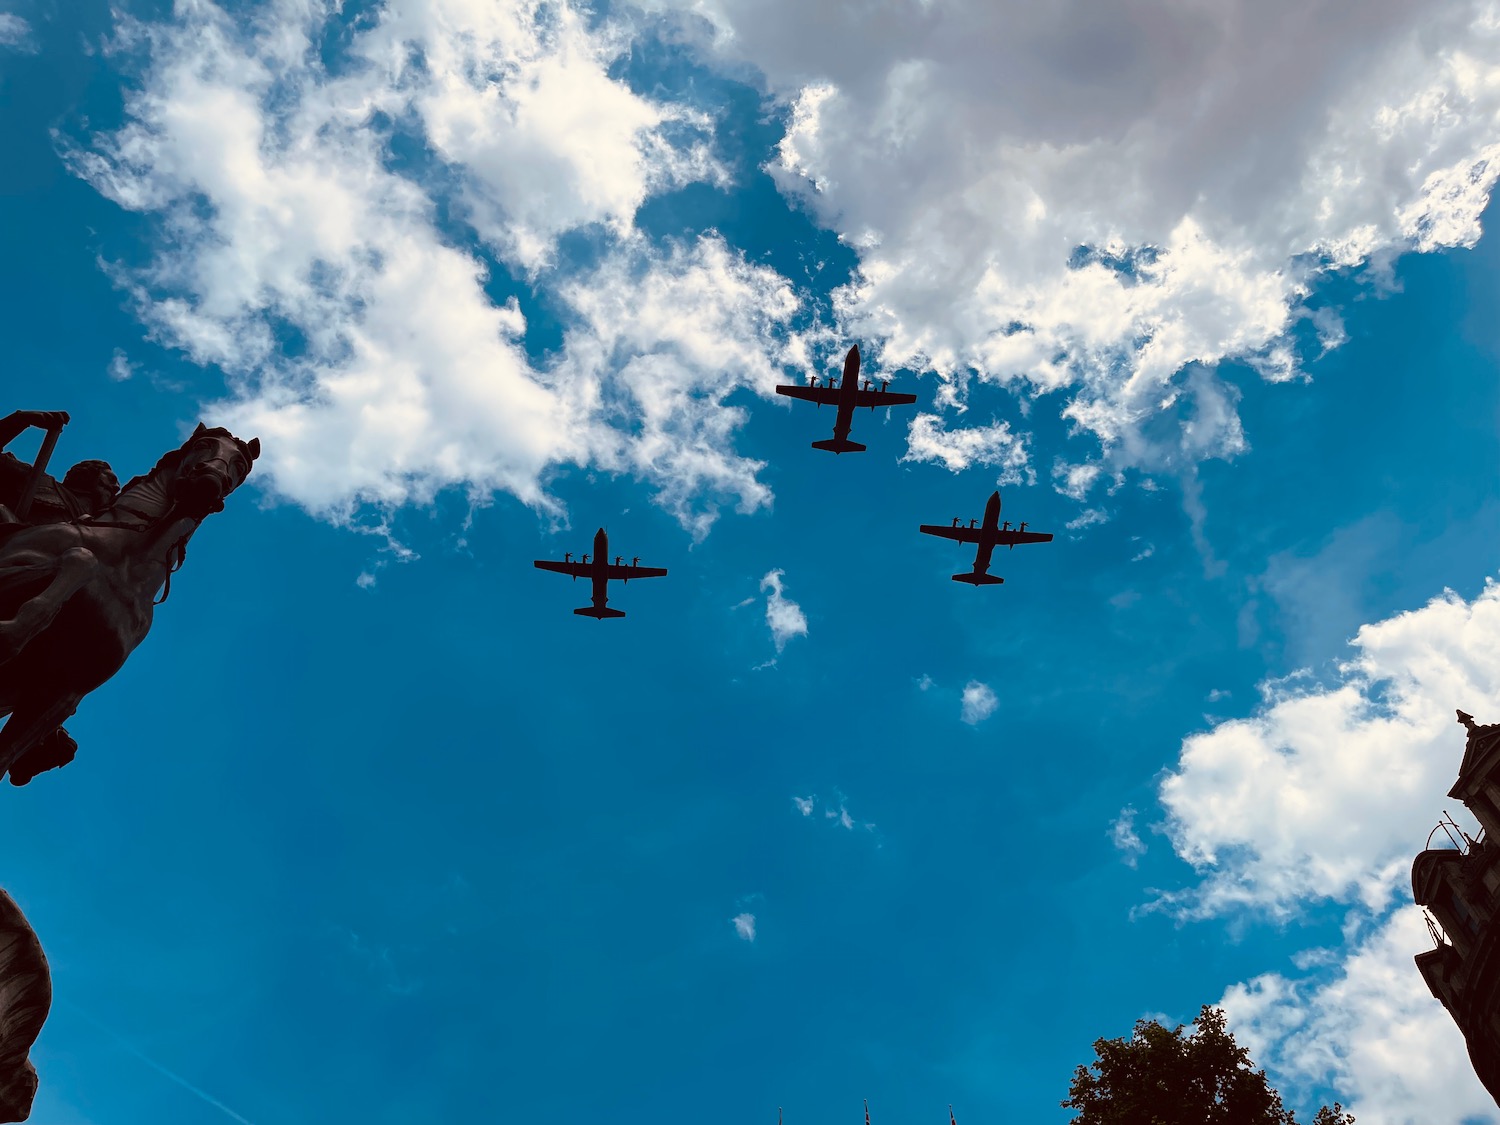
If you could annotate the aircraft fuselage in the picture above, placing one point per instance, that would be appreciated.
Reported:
(844, 421)
(601, 569)
(989, 525)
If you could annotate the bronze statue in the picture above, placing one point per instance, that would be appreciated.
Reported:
(28, 495)
(77, 597)
(25, 998)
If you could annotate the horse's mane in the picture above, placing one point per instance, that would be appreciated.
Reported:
(173, 457)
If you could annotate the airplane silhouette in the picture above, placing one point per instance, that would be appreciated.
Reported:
(988, 536)
(846, 396)
(602, 572)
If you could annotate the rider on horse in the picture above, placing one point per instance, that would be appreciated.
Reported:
(88, 487)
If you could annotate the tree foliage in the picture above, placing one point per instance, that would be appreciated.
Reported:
(1162, 1077)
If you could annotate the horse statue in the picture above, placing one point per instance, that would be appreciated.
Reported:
(25, 999)
(76, 598)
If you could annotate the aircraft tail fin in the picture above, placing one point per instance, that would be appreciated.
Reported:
(975, 578)
(600, 612)
(839, 445)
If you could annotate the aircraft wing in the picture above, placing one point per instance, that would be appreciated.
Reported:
(628, 572)
(1011, 538)
(828, 395)
(576, 569)
(957, 534)
(880, 398)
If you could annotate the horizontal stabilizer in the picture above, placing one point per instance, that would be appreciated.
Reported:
(975, 578)
(839, 445)
(600, 612)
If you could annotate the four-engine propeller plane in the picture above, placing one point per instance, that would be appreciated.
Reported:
(988, 535)
(601, 571)
(846, 396)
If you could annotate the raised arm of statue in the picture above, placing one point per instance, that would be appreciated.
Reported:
(16, 423)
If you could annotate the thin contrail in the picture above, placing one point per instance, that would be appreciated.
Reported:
(156, 1066)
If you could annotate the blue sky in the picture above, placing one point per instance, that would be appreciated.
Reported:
(373, 828)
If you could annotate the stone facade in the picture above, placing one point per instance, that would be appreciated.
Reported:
(1461, 889)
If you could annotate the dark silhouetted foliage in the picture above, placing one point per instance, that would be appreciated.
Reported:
(1165, 1077)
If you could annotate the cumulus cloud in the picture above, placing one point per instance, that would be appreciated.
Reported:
(360, 342)
(1284, 806)
(958, 449)
(1325, 795)
(1107, 204)
(1123, 836)
(1370, 1028)
(979, 702)
(804, 805)
(784, 616)
(744, 926)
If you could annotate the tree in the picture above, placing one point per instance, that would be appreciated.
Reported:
(1161, 1077)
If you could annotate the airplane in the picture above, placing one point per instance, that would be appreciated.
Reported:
(602, 571)
(988, 536)
(846, 396)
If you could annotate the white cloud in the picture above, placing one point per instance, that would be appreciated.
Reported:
(1055, 197)
(1123, 836)
(1283, 807)
(979, 702)
(120, 367)
(744, 926)
(1370, 1029)
(956, 450)
(836, 810)
(15, 33)
(1088, 518)
(1075, 481)
(360, 343)
(1327, 793)
(518, 96)
(784, 616)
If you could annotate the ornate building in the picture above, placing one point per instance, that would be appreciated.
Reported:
(1460, 888)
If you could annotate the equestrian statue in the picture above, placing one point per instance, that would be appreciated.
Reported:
(25, 1000)
(81, 563)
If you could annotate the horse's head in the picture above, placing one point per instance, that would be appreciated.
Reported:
(213, 464)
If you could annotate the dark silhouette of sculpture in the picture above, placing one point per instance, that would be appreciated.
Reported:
(25, 998)
(601, 572)
(987, 536)
(77, 597)
(846, 397)
(1457, 888)
(28, 495)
